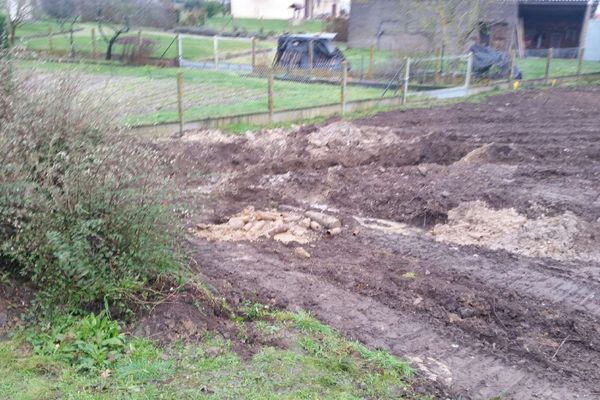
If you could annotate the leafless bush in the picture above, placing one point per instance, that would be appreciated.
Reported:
(81, 209)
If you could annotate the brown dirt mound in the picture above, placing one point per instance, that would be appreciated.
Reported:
(561, 237)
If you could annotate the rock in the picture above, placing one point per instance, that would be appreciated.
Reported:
(259, 225)
(267, 216)
(305, 223)
(236, 223)
(279, 228)
(466, 312)
(445, 193)
(300, 252)
(453, 318)
(417, 301)
(334, 231)
(315, 226)
(325, 220)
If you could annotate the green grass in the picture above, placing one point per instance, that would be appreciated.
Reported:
(534, 68)
(251, 25)
(315, 363)
(214, 93)
(194, 48)
(37, 28)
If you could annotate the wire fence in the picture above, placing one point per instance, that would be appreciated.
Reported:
(223, 76)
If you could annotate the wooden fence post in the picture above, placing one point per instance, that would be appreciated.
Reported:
(469, 73)
(580, 61)
(180, 101)
(50, 41)
(406, 79)
(94, 50)
(216, 51)
(438, 65)
(139, 43)
(270, 103)
(311, 54)
(371, 62)
(548, 62)
(513, 63)
(253, 53)
(344, 85)
(179, 50)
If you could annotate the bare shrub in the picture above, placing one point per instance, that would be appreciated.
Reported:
(81, 209)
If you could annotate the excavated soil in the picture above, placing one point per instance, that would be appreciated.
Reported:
(469, 236)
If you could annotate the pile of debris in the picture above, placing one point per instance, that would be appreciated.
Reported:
(283, 226)
(561, 237)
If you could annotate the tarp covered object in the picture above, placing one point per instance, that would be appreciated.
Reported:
(485, 57)
(293, 52)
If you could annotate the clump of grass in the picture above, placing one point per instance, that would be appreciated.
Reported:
(409, 276)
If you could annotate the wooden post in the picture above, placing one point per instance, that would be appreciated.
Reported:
(548, 62)
(94, 50)
(139, 43)
(371, 62)
(50, 41)
(406, 79)
(438, 64)
(179, 50)
(580, 61)
(253, 53)
(311, 54)
(513, 61)
(344, 84)
(469, 72)
(180, 101)
(216, 51)
(270, 103)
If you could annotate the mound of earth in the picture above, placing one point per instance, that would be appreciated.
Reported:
(561, 237)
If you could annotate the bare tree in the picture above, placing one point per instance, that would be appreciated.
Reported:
(455, 23)
(65, 12)
(18, 11)
(117, 17)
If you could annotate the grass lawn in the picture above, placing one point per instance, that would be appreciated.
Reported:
(194, 48)
(147, 95)
(251, 25)
(37, 28)
(533, 68)
(314, 363)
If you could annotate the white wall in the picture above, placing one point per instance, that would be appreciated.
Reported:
(280, 9)
(592, 43)
(268, 9)
(22, 7)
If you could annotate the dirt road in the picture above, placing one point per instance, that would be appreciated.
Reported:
(470, 235)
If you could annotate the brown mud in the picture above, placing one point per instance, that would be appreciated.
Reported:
(469, 243)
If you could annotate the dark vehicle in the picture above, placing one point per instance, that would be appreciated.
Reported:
(492, 63)
(294, 51)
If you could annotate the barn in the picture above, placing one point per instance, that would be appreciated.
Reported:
(414, 26)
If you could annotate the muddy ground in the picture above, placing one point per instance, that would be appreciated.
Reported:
(470, 235)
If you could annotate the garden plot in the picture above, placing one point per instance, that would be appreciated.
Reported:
(469, 242)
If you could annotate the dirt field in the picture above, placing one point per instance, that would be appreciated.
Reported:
(469, 243)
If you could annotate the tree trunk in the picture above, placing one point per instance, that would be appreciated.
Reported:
(109, 48)
(13, 32)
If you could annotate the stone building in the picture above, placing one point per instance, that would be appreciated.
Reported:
(414, 26)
